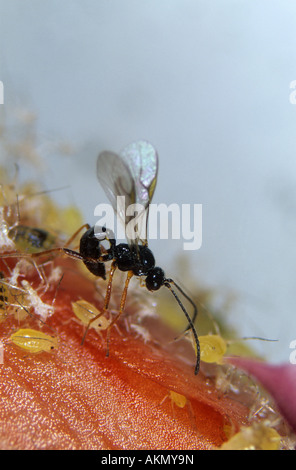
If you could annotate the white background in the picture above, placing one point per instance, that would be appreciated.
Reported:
(208, 83)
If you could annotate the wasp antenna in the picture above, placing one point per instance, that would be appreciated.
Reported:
(195, 311)
(191, 326)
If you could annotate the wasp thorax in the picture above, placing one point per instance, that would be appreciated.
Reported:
(138, 259)
(146, 258)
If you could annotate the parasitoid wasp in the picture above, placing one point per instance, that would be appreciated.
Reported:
(132, 174)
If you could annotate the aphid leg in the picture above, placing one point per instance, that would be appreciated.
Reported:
(10, 293)
(167, 283)
(121, 308)
(106, 301)
(6, 266)
(27, 309)
(41, 274)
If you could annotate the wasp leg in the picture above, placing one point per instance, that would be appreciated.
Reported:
(67, 251)
(121, 308)
(106, 301)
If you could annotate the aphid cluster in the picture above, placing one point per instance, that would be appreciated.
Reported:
(19, 300)
(26, 306)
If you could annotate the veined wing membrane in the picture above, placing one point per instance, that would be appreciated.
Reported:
(133, 175)
(142, 160)
(116, 180)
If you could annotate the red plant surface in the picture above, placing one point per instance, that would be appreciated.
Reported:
(77, 398)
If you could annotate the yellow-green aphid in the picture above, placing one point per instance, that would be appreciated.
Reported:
(212, 348)
(177, 399)
(34, 341)
(85, 312)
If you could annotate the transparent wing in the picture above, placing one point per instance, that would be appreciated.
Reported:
(142, 160)
(133, 175)
(116, 180)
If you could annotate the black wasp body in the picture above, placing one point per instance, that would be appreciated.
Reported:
(130, 176)
(137, 259)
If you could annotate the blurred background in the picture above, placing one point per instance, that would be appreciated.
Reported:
(209, 84)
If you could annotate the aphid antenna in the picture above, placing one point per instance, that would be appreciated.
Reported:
(14, 273)
(33, 315)
(20, 199)
(45, 191)
(41, 275)
(40, 193)
(259, 338)
(168, 283)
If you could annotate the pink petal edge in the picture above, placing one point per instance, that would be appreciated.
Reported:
(278, 380)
